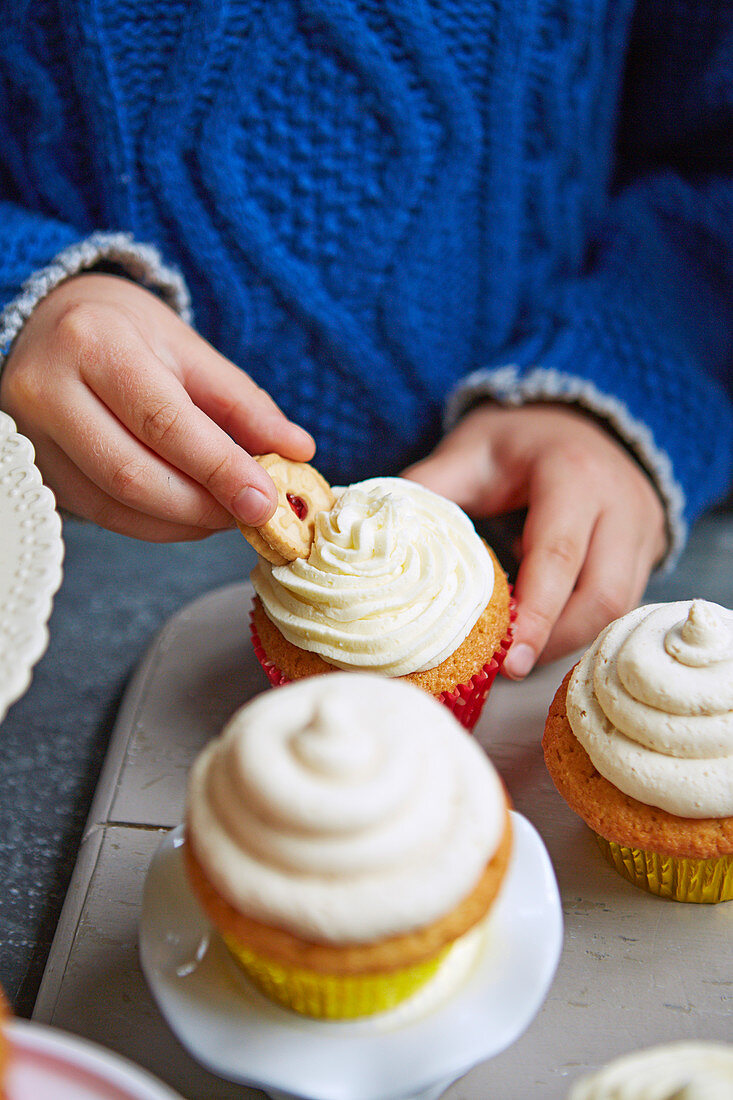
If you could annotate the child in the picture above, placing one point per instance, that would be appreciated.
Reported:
(507, 223)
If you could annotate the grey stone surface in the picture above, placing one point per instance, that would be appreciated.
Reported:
(115, 595)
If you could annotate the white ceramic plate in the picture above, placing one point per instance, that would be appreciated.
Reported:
(482, 999)
(47, 1064)
(31, 552)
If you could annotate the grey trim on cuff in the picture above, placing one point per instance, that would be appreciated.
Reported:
(510, 386)
(142, 262)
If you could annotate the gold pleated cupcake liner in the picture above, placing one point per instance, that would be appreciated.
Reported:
(332, 996)
(697, 880)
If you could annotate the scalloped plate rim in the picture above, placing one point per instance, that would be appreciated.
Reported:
(16, 670)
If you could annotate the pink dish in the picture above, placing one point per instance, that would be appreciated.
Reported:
(47, 1064)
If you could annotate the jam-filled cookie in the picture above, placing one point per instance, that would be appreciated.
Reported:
(301, 493)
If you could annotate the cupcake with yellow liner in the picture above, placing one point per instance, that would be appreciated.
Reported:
(393, 579)
(670, 1071)
(639, 742)
(342, 834)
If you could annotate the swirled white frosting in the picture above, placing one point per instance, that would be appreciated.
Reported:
(396, 579)
(673, 1071)
(652, 704)
(345, 808)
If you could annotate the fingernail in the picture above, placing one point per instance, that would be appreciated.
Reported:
(519, 661)
(306, 440)
(304, 434)
(251, 506)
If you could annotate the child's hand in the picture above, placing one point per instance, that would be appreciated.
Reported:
(138, 424)
(595, 526)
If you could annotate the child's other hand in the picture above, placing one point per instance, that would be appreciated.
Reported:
(138, 424)
(595, 526)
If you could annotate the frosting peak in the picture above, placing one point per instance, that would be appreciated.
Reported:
(652, 703)
(330, 746)
(702, 638)
(396, 579)
(345, 808)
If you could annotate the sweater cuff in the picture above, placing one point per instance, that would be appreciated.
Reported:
(141, 262)
(509, 385)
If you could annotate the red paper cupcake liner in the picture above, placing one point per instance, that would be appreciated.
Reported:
(270, 669)
(465, 701)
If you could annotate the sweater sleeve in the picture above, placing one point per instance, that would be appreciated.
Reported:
(37, 253)
(643, 337)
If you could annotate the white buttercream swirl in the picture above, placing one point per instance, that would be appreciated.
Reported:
(345, 808)
(672, 1071)
(652, 704)
(396, 579)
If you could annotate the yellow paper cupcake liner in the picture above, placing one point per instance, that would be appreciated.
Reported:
(332, 996)
(699, 880)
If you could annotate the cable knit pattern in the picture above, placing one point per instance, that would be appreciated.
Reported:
(373, 200)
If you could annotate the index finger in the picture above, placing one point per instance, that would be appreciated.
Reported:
(155, 407)
(555, 542)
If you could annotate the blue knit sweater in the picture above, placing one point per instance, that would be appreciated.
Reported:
(385, 209)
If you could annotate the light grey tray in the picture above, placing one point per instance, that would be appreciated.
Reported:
(636, 970)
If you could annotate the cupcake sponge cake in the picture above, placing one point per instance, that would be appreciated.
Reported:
(341, 834)
(639, 742)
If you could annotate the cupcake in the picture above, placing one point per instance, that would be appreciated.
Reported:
(639, 742)
(675, 1071)
(342, 834)
(394, 580)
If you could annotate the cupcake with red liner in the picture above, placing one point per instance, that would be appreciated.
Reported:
(639, 742)
(342, 835)
(395, 581)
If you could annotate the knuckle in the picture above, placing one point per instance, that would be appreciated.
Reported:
(77, 331)
(564, 550)
(223, 410)
(23, 391)
(266, 400)
(213, 516)
(219, 473)
(582, 463)
(539, 623)
(125, 481)
(158, 422)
